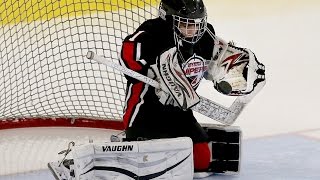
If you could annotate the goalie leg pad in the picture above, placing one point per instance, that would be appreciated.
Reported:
(153, 159)
(225, 147)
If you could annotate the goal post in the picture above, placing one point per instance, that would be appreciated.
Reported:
(45, 78)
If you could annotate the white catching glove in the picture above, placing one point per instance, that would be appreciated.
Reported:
(234, 70)
(175, 88)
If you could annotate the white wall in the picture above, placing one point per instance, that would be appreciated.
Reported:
(285, 38)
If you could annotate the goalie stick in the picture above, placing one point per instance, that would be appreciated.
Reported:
(205, 107)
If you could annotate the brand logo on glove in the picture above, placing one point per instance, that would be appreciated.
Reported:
(170, 80)
(194, 69)
(234, 60)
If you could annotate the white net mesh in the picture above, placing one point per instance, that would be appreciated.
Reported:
(43, 69)
(45, 77)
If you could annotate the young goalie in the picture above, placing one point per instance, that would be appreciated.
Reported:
(178, 49)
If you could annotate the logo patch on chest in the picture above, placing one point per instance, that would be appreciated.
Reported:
(194, 69)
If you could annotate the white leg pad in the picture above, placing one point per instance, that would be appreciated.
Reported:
(159, 159)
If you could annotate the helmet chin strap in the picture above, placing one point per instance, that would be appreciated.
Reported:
(179, 44)
(177, 40)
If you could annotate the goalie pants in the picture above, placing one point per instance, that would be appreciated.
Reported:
(171, 122)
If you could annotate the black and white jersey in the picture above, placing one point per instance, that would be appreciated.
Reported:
(140, 50)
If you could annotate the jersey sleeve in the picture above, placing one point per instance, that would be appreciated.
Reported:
(136, 52)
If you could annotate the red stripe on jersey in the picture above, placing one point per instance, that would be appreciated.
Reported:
(128, 56)
(133, 100)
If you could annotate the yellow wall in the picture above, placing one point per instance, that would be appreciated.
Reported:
(256, 8)
(15, 11)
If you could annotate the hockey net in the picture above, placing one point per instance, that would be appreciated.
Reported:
(45, 78)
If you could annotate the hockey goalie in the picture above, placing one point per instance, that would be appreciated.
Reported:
(163, 138)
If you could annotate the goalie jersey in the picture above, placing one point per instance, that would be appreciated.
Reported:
(140, 51)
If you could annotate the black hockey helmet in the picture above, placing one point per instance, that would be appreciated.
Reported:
(186, 14)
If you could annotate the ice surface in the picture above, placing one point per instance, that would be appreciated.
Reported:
(288, 156)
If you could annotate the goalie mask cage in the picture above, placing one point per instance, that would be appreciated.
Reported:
(45, 78)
